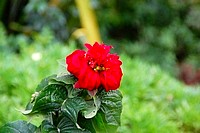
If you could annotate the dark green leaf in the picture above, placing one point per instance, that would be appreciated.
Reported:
(96, 124)
(72, 92)
(86, 123)
(93, 107)
(72, 106)
(47, 127)
(66, 125)
(101, 125)
(107, 118)
(60, 124)
(18, 127)
(50, 99)
(67, 81)
(111, 106)
(29, 106)
(44, 82)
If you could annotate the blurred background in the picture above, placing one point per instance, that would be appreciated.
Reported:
(158, 42)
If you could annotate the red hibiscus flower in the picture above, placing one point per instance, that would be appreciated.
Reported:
(95, 67)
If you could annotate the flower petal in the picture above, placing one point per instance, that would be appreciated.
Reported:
(98, 51)
(111, 78)
(75, 61)
(112, 60)
(88, 79)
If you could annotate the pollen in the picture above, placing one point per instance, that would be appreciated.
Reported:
(99, 68)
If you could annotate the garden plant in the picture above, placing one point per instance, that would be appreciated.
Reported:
(158, 42)
(83, 99)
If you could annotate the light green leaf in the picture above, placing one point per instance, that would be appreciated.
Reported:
(66, 79)
(62, 62)
(18, 127)
(62, 69)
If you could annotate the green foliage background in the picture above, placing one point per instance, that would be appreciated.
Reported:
(165, 32)
(153, 100)
(158, 31)
(152, 37)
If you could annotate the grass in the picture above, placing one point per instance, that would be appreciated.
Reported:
(153, 101)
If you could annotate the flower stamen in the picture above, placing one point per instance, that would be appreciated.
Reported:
(99, 68)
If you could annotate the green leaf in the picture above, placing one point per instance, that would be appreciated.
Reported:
(66, 79)
(62, 67)
(96, 124)
(50, 99)
(86, 123)
(18, 127)
(44, 82)
(66, 125)
(93, 107)
(60, 124)
(72, 92)
(100, 125)
(107, 118)
(29, 106)
(62, 62)
(72, 106)
(111, 106)
(47, 127)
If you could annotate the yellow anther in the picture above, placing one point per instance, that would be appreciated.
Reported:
(99, 68)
